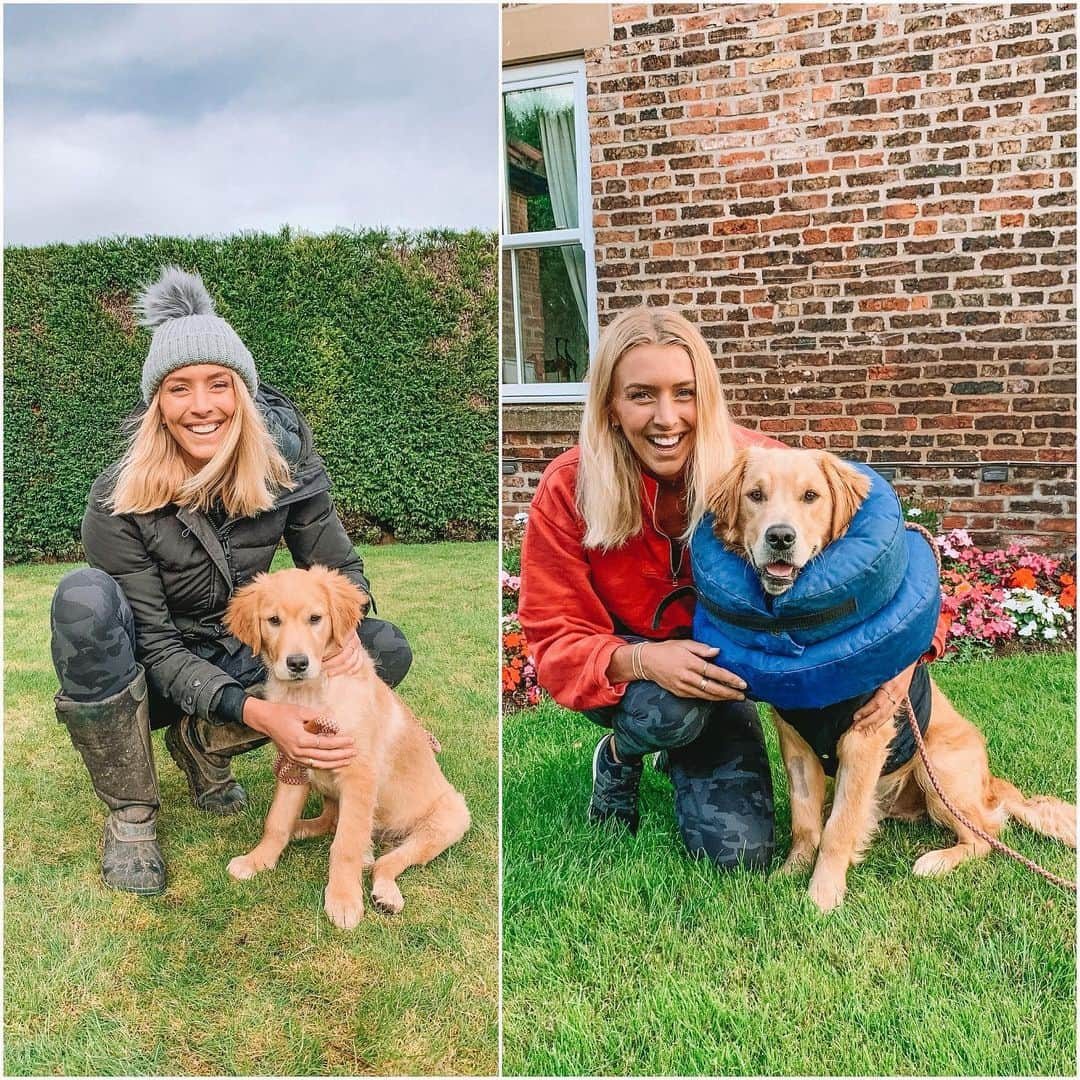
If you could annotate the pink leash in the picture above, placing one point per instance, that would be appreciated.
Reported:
(996, 844)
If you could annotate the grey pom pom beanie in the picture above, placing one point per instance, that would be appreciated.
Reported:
(186, 331)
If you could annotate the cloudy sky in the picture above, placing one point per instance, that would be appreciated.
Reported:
(211, 119)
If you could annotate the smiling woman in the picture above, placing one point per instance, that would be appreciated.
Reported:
(605, 583)
(219, 470)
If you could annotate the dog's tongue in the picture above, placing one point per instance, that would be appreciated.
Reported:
(780, 569)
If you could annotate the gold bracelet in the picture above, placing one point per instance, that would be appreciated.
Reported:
(642, 674)
(635, 661)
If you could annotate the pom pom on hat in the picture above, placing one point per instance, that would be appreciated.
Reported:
(186, 331)
(173, 296)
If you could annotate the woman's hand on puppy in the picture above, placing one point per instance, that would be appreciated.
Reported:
(350, 661)
(285, 725)
(885, 703)
(681, 667)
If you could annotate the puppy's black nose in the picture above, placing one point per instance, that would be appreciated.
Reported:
(297, 663)
(780, 537)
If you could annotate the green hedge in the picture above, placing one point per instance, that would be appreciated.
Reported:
(387, 343)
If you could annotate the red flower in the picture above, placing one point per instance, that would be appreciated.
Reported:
(1022, 579)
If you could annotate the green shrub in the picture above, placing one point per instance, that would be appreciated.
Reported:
(386, 342)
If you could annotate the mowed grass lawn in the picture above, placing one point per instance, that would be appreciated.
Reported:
(218, 977)
(624, 957)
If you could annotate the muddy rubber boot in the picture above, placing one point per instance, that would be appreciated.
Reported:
(113, 737)
(202, 751)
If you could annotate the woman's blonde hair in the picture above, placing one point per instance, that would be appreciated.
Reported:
(245, 474)
(609, 476)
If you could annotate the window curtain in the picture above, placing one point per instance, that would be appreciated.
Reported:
(557, 141)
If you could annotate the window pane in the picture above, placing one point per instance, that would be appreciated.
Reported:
(551, 305)
(509, 324)
(541, 153)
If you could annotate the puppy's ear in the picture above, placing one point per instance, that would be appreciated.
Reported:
(348, 602)
(722, 497)
(848, 487)
(242, 614)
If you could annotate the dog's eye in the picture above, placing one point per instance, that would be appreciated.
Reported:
(810, 496)
(274, 620)
(315, 620)
(756, 495)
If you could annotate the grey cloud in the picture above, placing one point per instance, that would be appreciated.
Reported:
(209, 119)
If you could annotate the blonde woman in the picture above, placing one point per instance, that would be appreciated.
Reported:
(219, 470)
(605, 604)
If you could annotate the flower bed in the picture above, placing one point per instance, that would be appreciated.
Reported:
(1002, 601)
(519, 685)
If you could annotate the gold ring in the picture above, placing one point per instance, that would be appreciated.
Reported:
(703, 682)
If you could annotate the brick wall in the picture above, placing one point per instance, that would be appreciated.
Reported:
(870, 212)
(533, 435)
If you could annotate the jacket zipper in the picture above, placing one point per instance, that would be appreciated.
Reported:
(223, 536)
(672, 544)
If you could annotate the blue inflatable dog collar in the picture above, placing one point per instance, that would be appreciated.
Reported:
(858, 614)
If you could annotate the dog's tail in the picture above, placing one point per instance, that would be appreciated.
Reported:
(1043, 813)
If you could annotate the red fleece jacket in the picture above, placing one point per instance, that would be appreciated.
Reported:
(577, 605)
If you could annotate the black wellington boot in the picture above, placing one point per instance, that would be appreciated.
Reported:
(113, 737)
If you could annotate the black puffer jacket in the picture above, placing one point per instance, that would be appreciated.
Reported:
(178, 571)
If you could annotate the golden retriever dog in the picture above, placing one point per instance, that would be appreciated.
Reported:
(393, 790)
(778, 509)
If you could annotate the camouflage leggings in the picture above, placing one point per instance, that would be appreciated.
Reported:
(93, 646)
(717, 763)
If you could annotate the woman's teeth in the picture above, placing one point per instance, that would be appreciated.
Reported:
(204, 429)
(665, 442)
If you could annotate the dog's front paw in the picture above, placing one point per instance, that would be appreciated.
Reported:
(826, 892)
(386, 896)
(933, 863)
(344, 909)
(799, 860)
(247, 866)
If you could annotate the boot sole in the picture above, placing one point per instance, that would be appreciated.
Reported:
(149, 891)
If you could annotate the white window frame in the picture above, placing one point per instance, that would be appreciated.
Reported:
(531, 77)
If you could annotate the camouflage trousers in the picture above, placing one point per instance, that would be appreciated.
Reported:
(94, 651)
(717, 763)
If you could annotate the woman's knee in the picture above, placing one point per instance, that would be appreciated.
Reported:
(652, 718)
(388, 647)
(724, 794)
(731, 841)
(93, 636)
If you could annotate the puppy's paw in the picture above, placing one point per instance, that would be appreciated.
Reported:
(306, 828)
(386, 896)
(799, 861)
(344, 909)
(826, 892)
(933, 863)
(247, 866)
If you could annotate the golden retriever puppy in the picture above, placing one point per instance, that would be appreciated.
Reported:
(778, 509)
(393, 789)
